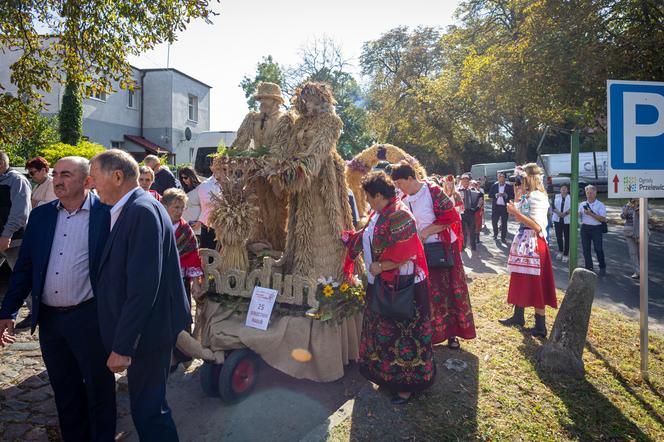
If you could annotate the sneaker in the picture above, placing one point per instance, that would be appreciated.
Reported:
(565, 258)
(635, 276)
(559, 256)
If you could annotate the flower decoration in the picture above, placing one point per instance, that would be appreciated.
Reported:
(338, 300)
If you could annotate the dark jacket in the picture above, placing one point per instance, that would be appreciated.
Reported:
(14, 204)
(141, 299)
(163, 180)
(29, 272)
(509, 190)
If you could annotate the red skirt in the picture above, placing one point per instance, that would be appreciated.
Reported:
(535, 290)
(451, 313)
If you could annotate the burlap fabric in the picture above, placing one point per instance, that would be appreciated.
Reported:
(332, 346)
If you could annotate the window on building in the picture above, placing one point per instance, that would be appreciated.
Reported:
(193, 107)
(130, 99)
(117, 144)
(94, 94)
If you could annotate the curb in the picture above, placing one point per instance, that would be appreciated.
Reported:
(320, 432)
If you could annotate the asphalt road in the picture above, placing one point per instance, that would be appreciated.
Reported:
(616, 291)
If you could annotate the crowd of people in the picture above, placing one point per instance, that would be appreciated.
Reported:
(110, 272)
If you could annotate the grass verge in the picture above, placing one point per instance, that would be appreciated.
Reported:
(501, 395)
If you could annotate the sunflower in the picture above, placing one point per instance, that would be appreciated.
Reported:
(344, 287)
(328, 291)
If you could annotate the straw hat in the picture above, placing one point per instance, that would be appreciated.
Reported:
(269, 90)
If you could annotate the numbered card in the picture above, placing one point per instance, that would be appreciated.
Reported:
(260, 308)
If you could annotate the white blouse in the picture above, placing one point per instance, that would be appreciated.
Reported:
(539, 208)
(421, 206)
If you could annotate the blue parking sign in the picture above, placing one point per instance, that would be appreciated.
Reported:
(637, 125)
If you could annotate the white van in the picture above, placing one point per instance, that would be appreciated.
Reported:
(206, 144)
(487, 173)
(561, 163)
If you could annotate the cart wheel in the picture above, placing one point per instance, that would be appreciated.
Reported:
(238, 375)
(209, 373)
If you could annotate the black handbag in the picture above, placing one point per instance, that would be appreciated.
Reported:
(394, 302)
(439, 255)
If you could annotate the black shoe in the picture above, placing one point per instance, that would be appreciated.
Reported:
(495, 237)
(516, 319)
(24, 323)
(398, 400)
(539, 331)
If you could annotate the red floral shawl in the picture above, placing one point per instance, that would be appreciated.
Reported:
(446, 214)
(395, 239)
(187, 246)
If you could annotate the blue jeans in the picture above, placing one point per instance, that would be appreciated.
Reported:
(592, 234)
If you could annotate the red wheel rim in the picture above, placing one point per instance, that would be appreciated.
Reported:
(243, 376)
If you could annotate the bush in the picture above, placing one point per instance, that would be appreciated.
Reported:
(83, 149)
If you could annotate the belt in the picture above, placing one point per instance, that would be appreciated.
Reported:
(69, 308)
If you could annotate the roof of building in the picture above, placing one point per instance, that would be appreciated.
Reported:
(177, 71)
(146, 144)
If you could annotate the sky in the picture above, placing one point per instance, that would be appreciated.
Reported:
(223, 53)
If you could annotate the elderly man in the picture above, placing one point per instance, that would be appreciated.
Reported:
(57, 263)
(592, 215)
(14, 209)
(142, 301)
(163, 177)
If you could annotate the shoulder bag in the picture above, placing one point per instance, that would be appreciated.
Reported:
(395, 302)
(439, 255)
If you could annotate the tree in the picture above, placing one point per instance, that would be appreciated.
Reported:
(267, 70)
(71, 115)
(87, 41)
(24, 131)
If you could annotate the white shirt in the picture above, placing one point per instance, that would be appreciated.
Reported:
(117, 207)
(421, 206)
(204, 189)
(500, 200)
(597, 206)
(67, 281)
(539, 209)
(565, 208)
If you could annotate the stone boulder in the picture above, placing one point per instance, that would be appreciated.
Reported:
(563, 352)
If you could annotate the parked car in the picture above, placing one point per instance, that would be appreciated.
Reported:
(487, 173)
(592, 170)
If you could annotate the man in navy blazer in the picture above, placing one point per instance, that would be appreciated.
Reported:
(60, 253)
(142, 302)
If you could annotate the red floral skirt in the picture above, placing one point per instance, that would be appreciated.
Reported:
(398, 354)
(479, 219)
(451, 313)
(535, 290)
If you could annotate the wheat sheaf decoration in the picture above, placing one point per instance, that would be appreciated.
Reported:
(234, 211)
(363, 162)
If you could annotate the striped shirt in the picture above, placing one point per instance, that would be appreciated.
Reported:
(67, 280)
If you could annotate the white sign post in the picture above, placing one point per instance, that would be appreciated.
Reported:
(636, 165)
(260, 308)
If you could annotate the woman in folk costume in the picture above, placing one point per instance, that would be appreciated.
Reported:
(450, 190)
(529, 262)
(394, 353)
(313, 173)
(439, 225)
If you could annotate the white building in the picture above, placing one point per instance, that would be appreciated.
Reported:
(163, 114)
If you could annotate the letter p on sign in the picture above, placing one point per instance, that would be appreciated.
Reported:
(632, 128)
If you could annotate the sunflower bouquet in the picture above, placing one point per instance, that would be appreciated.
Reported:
(338, 300)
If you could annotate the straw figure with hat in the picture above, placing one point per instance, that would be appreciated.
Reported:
(267, 131)
(313, 173)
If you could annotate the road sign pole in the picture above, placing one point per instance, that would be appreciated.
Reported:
(643, 289)
(574, 207)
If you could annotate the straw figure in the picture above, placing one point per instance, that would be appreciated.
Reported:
(363, 162)
(313, 173)
(234, 212)
(264, 131)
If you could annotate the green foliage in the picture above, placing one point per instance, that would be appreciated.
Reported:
(94, 38)
(24, 131)
(59, 150)
(71, 114)
(267, 70)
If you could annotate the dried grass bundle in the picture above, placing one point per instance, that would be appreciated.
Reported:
(234, 212)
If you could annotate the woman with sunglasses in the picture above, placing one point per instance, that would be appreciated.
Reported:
(189, 181)
(43, 191)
